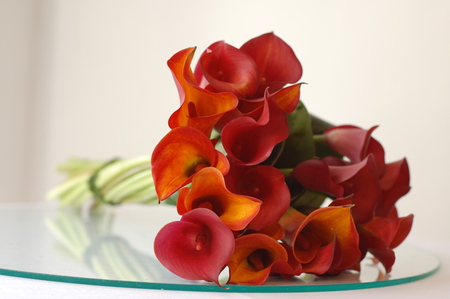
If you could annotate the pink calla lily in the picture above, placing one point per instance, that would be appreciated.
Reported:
(197, 247)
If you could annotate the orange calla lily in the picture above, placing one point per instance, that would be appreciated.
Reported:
(288, 98)
(325, 241)
(199, 108)
(253, 259)
(209, 191)
(179, 155)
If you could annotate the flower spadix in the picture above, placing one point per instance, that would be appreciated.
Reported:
(179, 155)
(197, 247)
(254, 257)
(209, 191)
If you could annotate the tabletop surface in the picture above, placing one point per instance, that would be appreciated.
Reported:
(68, 243)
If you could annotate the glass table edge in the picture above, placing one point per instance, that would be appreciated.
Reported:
(214, 288)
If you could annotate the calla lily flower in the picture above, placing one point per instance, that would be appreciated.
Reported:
(325, 241)
(265, 183)
(179, 155)
(394, 185)
(199, 108)
(265, 62)
(287, 99)
(229, 69)
(276, 62)
(356, 144)
(360, 181)
(250, 142)
(197, 247)
(254, 257)
(381, 235)
(209, 191)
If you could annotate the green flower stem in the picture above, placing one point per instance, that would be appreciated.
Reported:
(120, 170)
(286, 171)
(78, 193)
(318, 125)
(141, 181)
(111, 182)
(63, 189)
(319, 138)
(76, 166)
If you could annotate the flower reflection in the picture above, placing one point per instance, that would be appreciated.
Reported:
(88, 237)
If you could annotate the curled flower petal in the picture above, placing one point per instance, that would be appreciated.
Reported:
(325, 241)
(356, 144)
(403, 230)
(254, 257)
(229, 69)
(265, 183)
(288, 97)
(360, 181)
(179, 155)
(315, 174)
(199, 108)
(394, 184)
(197, 247)
(209, 191)
(250, 142)
(276, 61)
(370, 242)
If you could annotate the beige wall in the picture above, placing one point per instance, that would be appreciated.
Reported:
(17, 23)
(88, 78)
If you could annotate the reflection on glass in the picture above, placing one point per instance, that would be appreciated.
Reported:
(112, 246)
(89, 239)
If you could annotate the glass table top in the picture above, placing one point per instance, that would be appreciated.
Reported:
(113, 246)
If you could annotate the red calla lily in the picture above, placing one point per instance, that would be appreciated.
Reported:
(197, 247)
(209, 191)
(265, 183)
(394, 185)
(179, 155)
(356, 144)
(229, 69)
(382, 234)
(360, 181)
(276, 62)
(250, 142)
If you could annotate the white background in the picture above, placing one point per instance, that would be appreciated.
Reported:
(88, 78)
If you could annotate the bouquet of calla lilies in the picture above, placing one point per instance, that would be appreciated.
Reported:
(263, 188)
(252, 168)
